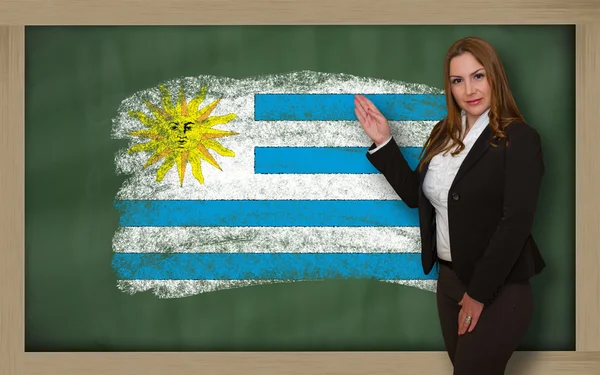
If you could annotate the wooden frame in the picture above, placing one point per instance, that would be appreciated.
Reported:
(14, 15)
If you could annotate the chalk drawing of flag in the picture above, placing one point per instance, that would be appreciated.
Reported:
(240, 182)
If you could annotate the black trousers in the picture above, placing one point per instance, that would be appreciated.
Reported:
(502, 324)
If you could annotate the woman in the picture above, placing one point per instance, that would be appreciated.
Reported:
(476, 188)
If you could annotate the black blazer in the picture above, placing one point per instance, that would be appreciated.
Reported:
(491, 207)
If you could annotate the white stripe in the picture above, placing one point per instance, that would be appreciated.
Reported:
(276, 187)
(272, 240)
(187, 288)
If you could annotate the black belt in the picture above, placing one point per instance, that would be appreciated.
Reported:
(445, 262)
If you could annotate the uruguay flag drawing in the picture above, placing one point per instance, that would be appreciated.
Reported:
(240, 182)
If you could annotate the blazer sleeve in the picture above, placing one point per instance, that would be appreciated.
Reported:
(391, 163)
(524, 168)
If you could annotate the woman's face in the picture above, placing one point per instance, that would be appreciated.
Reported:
(470, 88)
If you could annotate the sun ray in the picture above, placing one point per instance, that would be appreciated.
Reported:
(141, 147)
(219, 148)
(164, 168)
(206, 111)
(147, 121)
(196, 101)
(204, 154)
(217, 120)
(196, 169)
(182, 103)
(213, 136)
(166, 100)
(158, 154)
(158, 112)
(181, 164)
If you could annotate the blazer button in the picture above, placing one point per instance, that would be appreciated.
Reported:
(455, 196)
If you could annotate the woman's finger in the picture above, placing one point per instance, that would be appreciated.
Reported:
(474, 322)
(465, 327)
(367, 123)
(463, 323)
(363, 111)
(361, 117)
(368, 105)
(358, 107)
(360, 102)
(372, 106)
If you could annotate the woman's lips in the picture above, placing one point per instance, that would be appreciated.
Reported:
(474, 102)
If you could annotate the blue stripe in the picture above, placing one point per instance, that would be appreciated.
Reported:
(266, 213)
(252, 266)
(321, 159)
(336, 107)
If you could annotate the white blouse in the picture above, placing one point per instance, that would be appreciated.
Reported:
(440, 175)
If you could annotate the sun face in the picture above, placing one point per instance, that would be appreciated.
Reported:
(181, 133)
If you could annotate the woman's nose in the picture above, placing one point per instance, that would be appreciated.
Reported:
(470, 88)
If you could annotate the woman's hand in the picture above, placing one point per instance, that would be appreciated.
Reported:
(472, 308)
(372, 121)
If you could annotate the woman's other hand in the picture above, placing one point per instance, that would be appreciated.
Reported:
(470, 308)
(372, 121)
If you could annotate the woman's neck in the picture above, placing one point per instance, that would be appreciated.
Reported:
(470, 121)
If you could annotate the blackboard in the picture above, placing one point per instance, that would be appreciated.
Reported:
(76, 81)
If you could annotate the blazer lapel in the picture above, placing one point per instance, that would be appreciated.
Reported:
(479, 148)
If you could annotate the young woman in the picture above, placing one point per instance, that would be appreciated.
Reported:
(476, 189)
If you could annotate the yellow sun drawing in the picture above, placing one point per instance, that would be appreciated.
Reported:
(181, 133)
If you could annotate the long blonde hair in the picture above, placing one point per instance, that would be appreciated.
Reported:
(447, 134)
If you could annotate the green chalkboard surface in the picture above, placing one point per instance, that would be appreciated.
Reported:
(76, 81)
